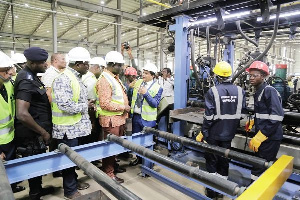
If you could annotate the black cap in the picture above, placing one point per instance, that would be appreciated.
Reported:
(36, 54)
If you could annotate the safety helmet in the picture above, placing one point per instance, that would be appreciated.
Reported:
(98, 61)
(114, 57)
(130, 71)
(79, 54)
(18, 58)
(5, 60)
(258, 65)
(150, 67)
(223, 69)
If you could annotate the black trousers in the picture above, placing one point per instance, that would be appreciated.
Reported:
(267, 150)
(215, 163)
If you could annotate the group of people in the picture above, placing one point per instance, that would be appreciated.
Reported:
(225, 105)
(73, 104)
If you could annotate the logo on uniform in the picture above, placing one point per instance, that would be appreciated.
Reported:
(228, 99)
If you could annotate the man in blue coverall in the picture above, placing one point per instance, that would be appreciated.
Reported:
(145, 99)
(268, 116)
(225, 104)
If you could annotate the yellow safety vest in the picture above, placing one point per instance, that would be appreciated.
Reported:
(7, 115)
(148, 113)
(60, 117)
(117, 95)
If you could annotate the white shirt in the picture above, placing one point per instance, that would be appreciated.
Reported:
(49, 76)
(167, 86)
(90, 81)
(147, 86)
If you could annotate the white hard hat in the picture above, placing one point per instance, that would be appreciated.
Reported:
(79, 54)
(150, 67)
(18, 58)
(5, 60)
(115, 57)
(98, 61)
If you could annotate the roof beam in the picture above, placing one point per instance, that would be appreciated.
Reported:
(95, 32)
(39, 26)
(96, 8)
(5, 17)
(74, 25)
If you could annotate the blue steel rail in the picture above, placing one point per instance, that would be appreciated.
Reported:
(41, 164)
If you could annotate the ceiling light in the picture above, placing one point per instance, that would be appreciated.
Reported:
(17, 16)
(60, 23)
(147, 38)
(76, 14)
(48, 31)
(59, 42)
(144, 13)
(102, 2)
(26, 5)
(8, 26)
(95, 29)
(287, 14)
(79, 35)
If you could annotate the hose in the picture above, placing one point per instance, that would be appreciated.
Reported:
(207, 41)
(238, 25)
(276, 23)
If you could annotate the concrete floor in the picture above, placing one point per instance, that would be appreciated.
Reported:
(146, 188)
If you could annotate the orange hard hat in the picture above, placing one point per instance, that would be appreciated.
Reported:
(258, 65)
(130, 71)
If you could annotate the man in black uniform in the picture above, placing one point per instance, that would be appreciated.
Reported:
(33, 111)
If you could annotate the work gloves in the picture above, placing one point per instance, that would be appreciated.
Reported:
(249, 125)
(256, 141)
(200, 137)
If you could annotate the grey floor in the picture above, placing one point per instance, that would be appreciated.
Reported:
(146, 188)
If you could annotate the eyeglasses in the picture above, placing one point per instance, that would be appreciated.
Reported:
(254, 75)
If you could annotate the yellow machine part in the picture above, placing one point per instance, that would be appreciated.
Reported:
(269, 183)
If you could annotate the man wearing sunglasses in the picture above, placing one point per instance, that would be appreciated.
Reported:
(70, 112)
(268, 115)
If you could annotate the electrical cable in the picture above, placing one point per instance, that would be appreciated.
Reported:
(238, 25)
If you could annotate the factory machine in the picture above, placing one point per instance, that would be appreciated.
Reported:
(221, 23)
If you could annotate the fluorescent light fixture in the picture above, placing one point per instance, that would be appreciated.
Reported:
(226, 17)
(144, 13)
(282, 15)
(95, 29)
(17, 16)
(48, 31)
(60, 23)
(102, 2)
(26, 5)
(79, 35)
(76, 14)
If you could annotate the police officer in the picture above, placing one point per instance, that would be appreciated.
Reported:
(268, 116)
(225, 104)
(33, 111)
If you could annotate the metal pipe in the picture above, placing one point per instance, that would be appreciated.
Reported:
(267, 48)
(95, 173)
(238, 25)
(211, 180)
(6, 191)
(255, 161)
(207, 41)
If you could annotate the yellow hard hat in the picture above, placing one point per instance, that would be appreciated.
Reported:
(223, 69)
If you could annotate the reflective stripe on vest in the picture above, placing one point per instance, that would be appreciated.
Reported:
(116, 97)
(60, 117)
(267, 116)
(218, 115)
(148, 113)
(7, 114)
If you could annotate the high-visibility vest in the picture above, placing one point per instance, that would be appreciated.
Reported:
(148, 113)
(60, 117)
(116, 97)
(7, 115)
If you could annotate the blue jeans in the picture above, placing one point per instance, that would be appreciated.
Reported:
(69, 175)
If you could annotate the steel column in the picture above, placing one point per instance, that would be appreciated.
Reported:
(161, 53)
(138, 48)
(6, 192)
(181, 70)
(229, 52)
(54, 26)
(13, 26)
(119, 27)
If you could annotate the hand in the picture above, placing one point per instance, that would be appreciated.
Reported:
(46, 137)
(256, 141)
(131, 85)
(142, 90)
(127, 108)
(2, 156)
(249, 125)
(91, 104)
(122, 50)
(129, 51)
(199, 137)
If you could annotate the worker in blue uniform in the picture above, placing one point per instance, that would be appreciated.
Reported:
(225, 105)
(268, 116)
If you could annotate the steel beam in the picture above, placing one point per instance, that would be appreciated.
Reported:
(40, 24)
(41, 164)
(119, 27)
(54, 26)
(96, 8)
(74, 25)
(5, 17)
